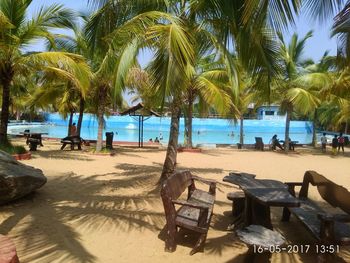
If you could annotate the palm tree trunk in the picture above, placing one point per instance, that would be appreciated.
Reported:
(70, 122)
(188, 124)
(346, 127)
(4, 110)
(241, 139)
(100, 112)
(81, 114)
(170, 159)
(286, 138)
(314, 137)
(100, 129)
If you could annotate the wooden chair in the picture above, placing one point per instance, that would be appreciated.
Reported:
(326, 227)
(193, 214)
(259, 144)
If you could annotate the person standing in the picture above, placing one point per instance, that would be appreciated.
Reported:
(334, 144)
(341, 141)
(324, 142)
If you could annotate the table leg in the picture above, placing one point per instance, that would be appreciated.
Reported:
(261, 214)
(248, 211)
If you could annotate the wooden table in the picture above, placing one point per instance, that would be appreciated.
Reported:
(260, 195)
(33, 139)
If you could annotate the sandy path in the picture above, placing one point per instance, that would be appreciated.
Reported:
(107, 209)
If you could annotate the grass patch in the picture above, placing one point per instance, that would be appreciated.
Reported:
(12, 149)
(104, 150)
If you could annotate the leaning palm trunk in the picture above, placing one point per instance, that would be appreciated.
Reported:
(70, 122)
(4, 110)
(241, 139)
(170, 159)
(286, 138)
(100, 112)
(81, 115)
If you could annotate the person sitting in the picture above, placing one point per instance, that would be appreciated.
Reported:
(73, 130)
(291, 144)
(150, 140)
(156, 140)
(275, 142)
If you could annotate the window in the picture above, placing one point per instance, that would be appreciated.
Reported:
(269, 112)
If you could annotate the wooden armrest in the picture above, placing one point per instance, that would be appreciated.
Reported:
(185, 203)
(291, 187)
(206, 181)
(211, 183)
(294, 183)
(334, 217)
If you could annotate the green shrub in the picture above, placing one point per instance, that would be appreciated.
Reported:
(12, 149)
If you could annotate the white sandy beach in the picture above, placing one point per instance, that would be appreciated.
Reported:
(108, 209)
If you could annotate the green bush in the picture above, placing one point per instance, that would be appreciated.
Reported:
(12, 149)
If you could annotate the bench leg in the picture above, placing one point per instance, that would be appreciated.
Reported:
(64, 145)
(200, 244)
(285, 215)
(32, 146)
(79, 146)
(170, 244)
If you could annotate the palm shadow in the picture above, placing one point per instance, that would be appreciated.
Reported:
(44, 220)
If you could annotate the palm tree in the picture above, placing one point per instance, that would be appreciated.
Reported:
(209, 86)
(289, 89)
(111, 61)
(16, 32)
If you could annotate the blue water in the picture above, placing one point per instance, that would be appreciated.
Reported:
(216, 131)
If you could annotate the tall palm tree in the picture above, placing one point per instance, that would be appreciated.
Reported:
(111, 59)
(16, 32)
(291, 93)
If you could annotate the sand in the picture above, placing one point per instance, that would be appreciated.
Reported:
(108, 208)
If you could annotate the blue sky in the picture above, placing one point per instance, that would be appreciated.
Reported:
(315, 47)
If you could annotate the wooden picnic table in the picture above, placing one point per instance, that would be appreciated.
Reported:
(260, 195)
(33, 139)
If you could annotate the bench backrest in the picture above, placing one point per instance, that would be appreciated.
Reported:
(258, 140)
(334, 194)
(172, 189)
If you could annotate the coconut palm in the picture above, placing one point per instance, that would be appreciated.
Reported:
(290, 90)
(16, 33)
(209, 86)
(111, 59)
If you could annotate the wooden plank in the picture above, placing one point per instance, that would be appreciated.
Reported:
(307, 214)
(246, 182)
(272, 197)
(260, 236)
(202, 197)
(235, 195)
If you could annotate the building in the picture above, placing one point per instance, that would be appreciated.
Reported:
(271, 112)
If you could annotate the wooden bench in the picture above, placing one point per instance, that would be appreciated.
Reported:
(327, 228)
(193, 214)
(72, 141)
(33, 140)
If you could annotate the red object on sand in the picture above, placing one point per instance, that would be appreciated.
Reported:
(8, 253)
